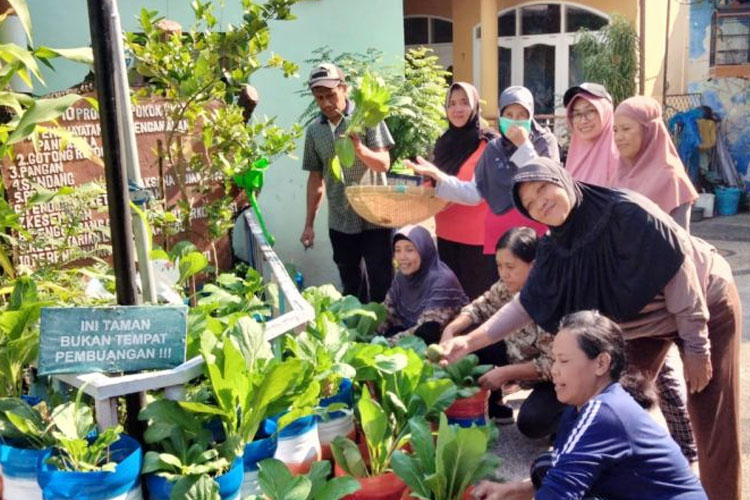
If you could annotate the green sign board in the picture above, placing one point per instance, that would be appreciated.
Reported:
(111, 339)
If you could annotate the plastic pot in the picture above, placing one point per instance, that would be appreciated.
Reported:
(19, 472)
(298, 445)
(122, 484)
(264, 446)
(338, 423)
(230, 484)
(474, 407)
(387, 486)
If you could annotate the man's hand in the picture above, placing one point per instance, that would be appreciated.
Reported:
(698, 371)
(308, 237)
(494, 379)
(517, 135)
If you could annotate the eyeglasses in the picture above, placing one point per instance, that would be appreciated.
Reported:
(587, 115)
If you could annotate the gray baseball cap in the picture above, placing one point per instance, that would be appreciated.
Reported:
(594, 89)
(325, 75)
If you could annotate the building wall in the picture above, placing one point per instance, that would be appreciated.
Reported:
(441, 8)
(728, 97)
(368, 24)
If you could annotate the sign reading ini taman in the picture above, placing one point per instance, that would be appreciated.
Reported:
(111, 339)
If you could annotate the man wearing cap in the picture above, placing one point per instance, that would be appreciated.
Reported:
(361, 250)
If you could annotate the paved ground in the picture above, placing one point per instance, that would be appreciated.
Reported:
(731, 235)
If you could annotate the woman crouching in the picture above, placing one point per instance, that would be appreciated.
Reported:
(608, 447)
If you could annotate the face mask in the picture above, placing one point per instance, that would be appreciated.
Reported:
(506, 123)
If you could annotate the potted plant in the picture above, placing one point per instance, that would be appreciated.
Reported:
(185, 458)
(471, 405)
(26, 435)
(403, 387)
(278, 483)
(446, 468)
(85, 464)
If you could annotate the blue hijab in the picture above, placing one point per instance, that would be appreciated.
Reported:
(432, 286)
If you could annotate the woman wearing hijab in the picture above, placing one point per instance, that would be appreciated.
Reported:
(425, 294)
(593, 158)
(460, 228)
(521, 138)
(617, 252)
(649, 163)
(592, 155)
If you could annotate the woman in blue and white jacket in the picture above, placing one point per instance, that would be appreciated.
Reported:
(608, 447)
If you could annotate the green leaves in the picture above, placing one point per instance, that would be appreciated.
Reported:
(443, 471)
(191, 264)
(348, 457)
(465, 374)
(27, 426)
(277, 483)
(344, 148)
(200, 487)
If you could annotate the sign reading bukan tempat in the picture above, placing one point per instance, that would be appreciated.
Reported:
(51, 166)
(111, 339)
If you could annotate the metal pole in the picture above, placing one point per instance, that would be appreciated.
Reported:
(102, 17)
(123, 258)
(130, 148)
(666, 56)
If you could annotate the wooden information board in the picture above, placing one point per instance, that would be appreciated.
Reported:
(52, 167)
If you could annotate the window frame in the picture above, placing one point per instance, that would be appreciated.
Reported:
(430, 35)
(732, 69)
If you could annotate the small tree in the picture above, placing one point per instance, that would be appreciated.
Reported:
(203, 72)
(610, 57)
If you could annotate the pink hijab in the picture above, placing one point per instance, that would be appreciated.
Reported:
(593, 162)
(657, 171)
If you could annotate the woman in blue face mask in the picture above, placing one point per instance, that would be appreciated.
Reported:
(521, 139)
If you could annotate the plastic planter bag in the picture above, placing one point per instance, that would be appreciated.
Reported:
(122, 484)
(19, 473)
(337, 423)
(230, 484)
(470, 411)
(299, 445)
(263, 447)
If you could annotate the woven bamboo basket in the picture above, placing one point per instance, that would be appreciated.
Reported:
(394, 206)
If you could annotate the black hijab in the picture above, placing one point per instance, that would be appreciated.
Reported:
(615, 252)
(457, 144)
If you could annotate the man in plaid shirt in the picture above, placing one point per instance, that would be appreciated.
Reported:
(361, 250)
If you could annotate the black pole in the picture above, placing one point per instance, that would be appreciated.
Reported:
(104, 29)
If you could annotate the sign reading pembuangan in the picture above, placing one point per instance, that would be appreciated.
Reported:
(111, 339)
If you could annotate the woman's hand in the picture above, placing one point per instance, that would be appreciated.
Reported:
(517, 135)
(517, 490)
(455, 349)
(494, 379)
(425, 168)
(698, 371)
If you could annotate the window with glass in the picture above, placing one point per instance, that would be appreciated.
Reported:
(730, 42)
(540, 19)
(425, 30)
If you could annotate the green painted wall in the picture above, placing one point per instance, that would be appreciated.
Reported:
(344, 25)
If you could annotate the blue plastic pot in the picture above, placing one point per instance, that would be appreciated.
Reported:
(727, 200)
(64, 485)
(467, 422)
(229, 484)
(345, 395)
(19, 472)
(264, 446)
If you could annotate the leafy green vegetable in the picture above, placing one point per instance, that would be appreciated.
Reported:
(465, 374)
(277, 482)
(443, 470)
(75, 450)
(25, 426)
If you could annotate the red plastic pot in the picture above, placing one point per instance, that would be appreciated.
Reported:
(387, 486)
(325, 449)
(475, 406)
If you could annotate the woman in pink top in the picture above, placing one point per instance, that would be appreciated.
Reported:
(460, 228)
(649, 163)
